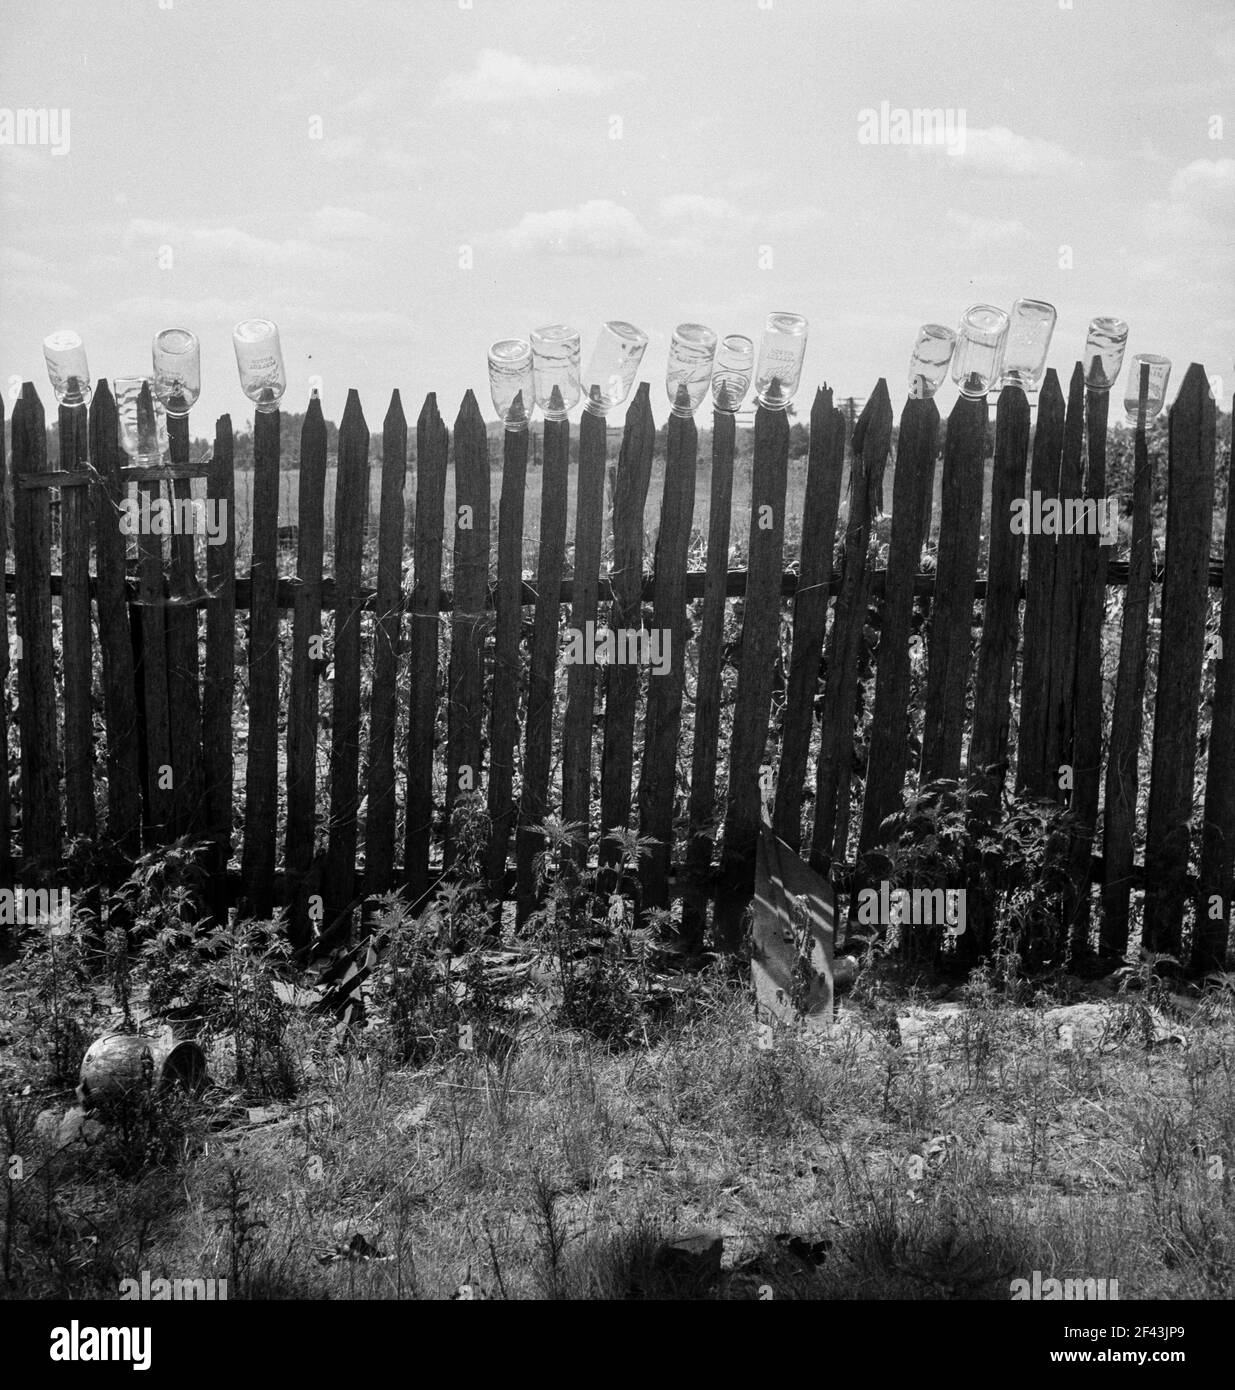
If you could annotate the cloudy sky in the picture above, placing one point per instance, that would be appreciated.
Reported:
(397, 184)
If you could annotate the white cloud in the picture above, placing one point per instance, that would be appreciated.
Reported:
(1207, 186)
(238, 247)
(499, 77)
(998, 150)
(347, 224)
(981, 231)
(598, 228)
(703, 212)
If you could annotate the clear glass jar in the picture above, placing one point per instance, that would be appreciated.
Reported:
(978, 360)
(691, 353)
(1104, 352)
(555, 370)
(142, 419)
(259, 358)
(928, 364)
(1030, 329)
(177, 359)
(781, 354)
(731, 372)
(1159, 376)
(510, 382)
(615, 362)
(67, 368)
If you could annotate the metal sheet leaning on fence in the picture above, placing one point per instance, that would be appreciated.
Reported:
(794, 916)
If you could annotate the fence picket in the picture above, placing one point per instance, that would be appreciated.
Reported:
(820, 507)
(379, 854)
(303, 708)
(1181, 653)
(182, 654)
(1124, 752)
(6, 812)
(871, 440)
(79, 811)
(634, 476)
(36, 684)
(261, 785)
(219, 687)
(542, 660)
(351, 510)
(960, 520)
(470, 620)
(663, 719)
(1033, 774)
(888, 760)
(432, 446)
(760, 649)
(702, 805)
(1209, 940)
(507, 661)
(1061, 688)
(577, 752)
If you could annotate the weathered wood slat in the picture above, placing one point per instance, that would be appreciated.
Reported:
(182, 653)
(6, 813)
(960, 520)
(1181, 653)
(577, 752)
(351, 509)
(760, 649)
(261, 779)
(471, 622)
(79, 815)
(1033, 775)
(219, 686)
(507, 662)
(36, 684)
(432, 446)
(380, 820)
(990, 743)
(1061, 679)
(871, 440)
(820, 507)
(1089, 717)
(542, 661)
(702, 806)
(1124, 751)
(888, 760)
(1213, 913)
(634, 476)
(663, 721)
(308, 663)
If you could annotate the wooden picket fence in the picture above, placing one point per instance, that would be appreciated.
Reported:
(168, 673)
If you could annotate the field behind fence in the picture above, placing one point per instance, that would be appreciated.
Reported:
(319, 729)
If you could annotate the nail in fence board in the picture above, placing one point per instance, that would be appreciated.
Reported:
(634, 476)
(36, 684)
(471, 623)
(380, 818)
(577, 752)
(760, 649)
(1185, 597)
(351, 510)
(960, 521)
(1124, 751)
(871, 440)
(1209, 941)
(303, 709)
(261, 785)
(432, 447)
(663, 721)
(507, 659)
(1033, 773)
(820, 506)
(79, 812)
(702, 804)
(888, 760)
(542, 660)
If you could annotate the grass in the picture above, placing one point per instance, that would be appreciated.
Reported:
(835, 1168)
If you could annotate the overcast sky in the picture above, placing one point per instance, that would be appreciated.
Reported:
(655, 160)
